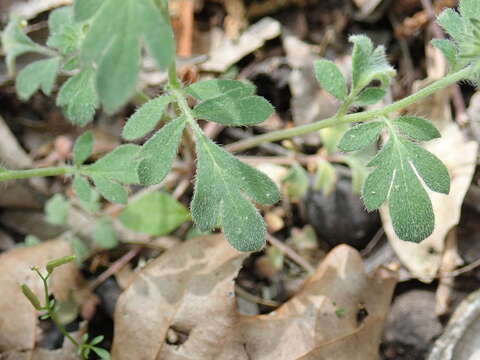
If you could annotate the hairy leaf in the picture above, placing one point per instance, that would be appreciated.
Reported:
(110, 190)
(236, 107)
(207, 89)
(159, 151)
(417, 128)
(82, 188)
(83, 148)
(40, 74)
(15, 43)
(368, 64)
(370, 96)
(361, 135)
(64, 34)
(85, 9)
(78, 97)
(331, 78)
(119, 165)
(395, 178)
(104, 234)
(155, 213)
(117, 29)
(449, 50)
(145, 118)
(220, 189)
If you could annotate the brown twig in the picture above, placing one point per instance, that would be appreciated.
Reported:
(290, 253)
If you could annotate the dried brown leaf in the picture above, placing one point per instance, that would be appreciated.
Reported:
(188, 291)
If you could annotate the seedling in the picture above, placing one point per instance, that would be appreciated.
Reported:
(49, 310)
(97, 45)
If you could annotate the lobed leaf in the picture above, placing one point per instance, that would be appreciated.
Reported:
(207, 89)
(155, 213)
(83, 148)
(395, 178)
(361, 136)
(113, 43)
(235, 108)
(159, 151)
(331, 78)
(40, 74)
(145, 118)
(221, 178)
(64, 34)
(368, 64)
(78, 97)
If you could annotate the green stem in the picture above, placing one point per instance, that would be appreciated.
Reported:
(173, 81)
(24, 174)
(62, 329)
(357, 117)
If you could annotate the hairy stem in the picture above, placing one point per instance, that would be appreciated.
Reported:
(24, 174)
(357, 117)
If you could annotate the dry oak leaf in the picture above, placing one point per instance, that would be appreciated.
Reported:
(189, 291)
(339, 314)
(18, 318)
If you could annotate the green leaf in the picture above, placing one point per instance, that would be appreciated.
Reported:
(113, 43)
(104, 234)
(78, 97)
(97, 340)
(296, 182)
(104, 354)
(155, 213)
(361, 135)
(31, 240)
(370, 96)
(359, 171)
(80, 250)
(65, 35)
(56, 210)
(326, 178)
(368, 64)
(119, 165)
(159, 151)
(208, 89)
(448, 49)
(83, 148)
(417, 128)
(15, 43)
(145, 118)
(235, 108)
(452, 23)
(395, 179)
(110, 190)
(85, 9)
(40, 74)
(221, 179)
(331, 78)
(82, 188)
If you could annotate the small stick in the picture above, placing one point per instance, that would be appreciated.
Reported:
(290, 253)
